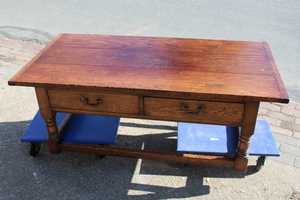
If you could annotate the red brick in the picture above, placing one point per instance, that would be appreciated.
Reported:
(261, 117)
(291, 104)
(263, 111)
(290, 110)
(290, 125)
(281, 131)
(5, 52)
(17, 44)
(297, 106)
(17, 47)
(270, 106)
(273, 121)
(18, 52)
(297, 120)
(290, 149)
(296, 135)
(281, 116)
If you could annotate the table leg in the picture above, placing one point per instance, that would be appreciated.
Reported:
(49, 116)
(247, 130)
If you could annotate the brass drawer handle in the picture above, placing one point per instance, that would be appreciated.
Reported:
(186, 109)
(86, 100)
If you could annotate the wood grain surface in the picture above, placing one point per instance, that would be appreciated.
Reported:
(235, 69)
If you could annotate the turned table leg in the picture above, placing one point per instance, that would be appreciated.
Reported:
(247, 130)
(49, 116)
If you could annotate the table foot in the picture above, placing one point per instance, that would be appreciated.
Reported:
(242, 154)
(54, 137)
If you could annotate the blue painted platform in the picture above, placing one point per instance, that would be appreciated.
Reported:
(83, 129)
(223, 140)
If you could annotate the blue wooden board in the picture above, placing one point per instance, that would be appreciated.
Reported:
(223, 140)
(83, 129)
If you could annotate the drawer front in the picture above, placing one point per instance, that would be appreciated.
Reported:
(193, 111)
(92, 101)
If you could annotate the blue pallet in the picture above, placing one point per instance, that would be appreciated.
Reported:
(83, 129)
(223, 140)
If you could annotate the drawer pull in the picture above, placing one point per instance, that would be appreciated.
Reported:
(86, 100)
(186, 109)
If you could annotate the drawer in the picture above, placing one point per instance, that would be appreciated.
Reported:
(193, 111)
(94, 101)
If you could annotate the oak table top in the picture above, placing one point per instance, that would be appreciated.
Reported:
(214, 69)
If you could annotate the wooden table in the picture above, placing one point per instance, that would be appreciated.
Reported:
(183, 80)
